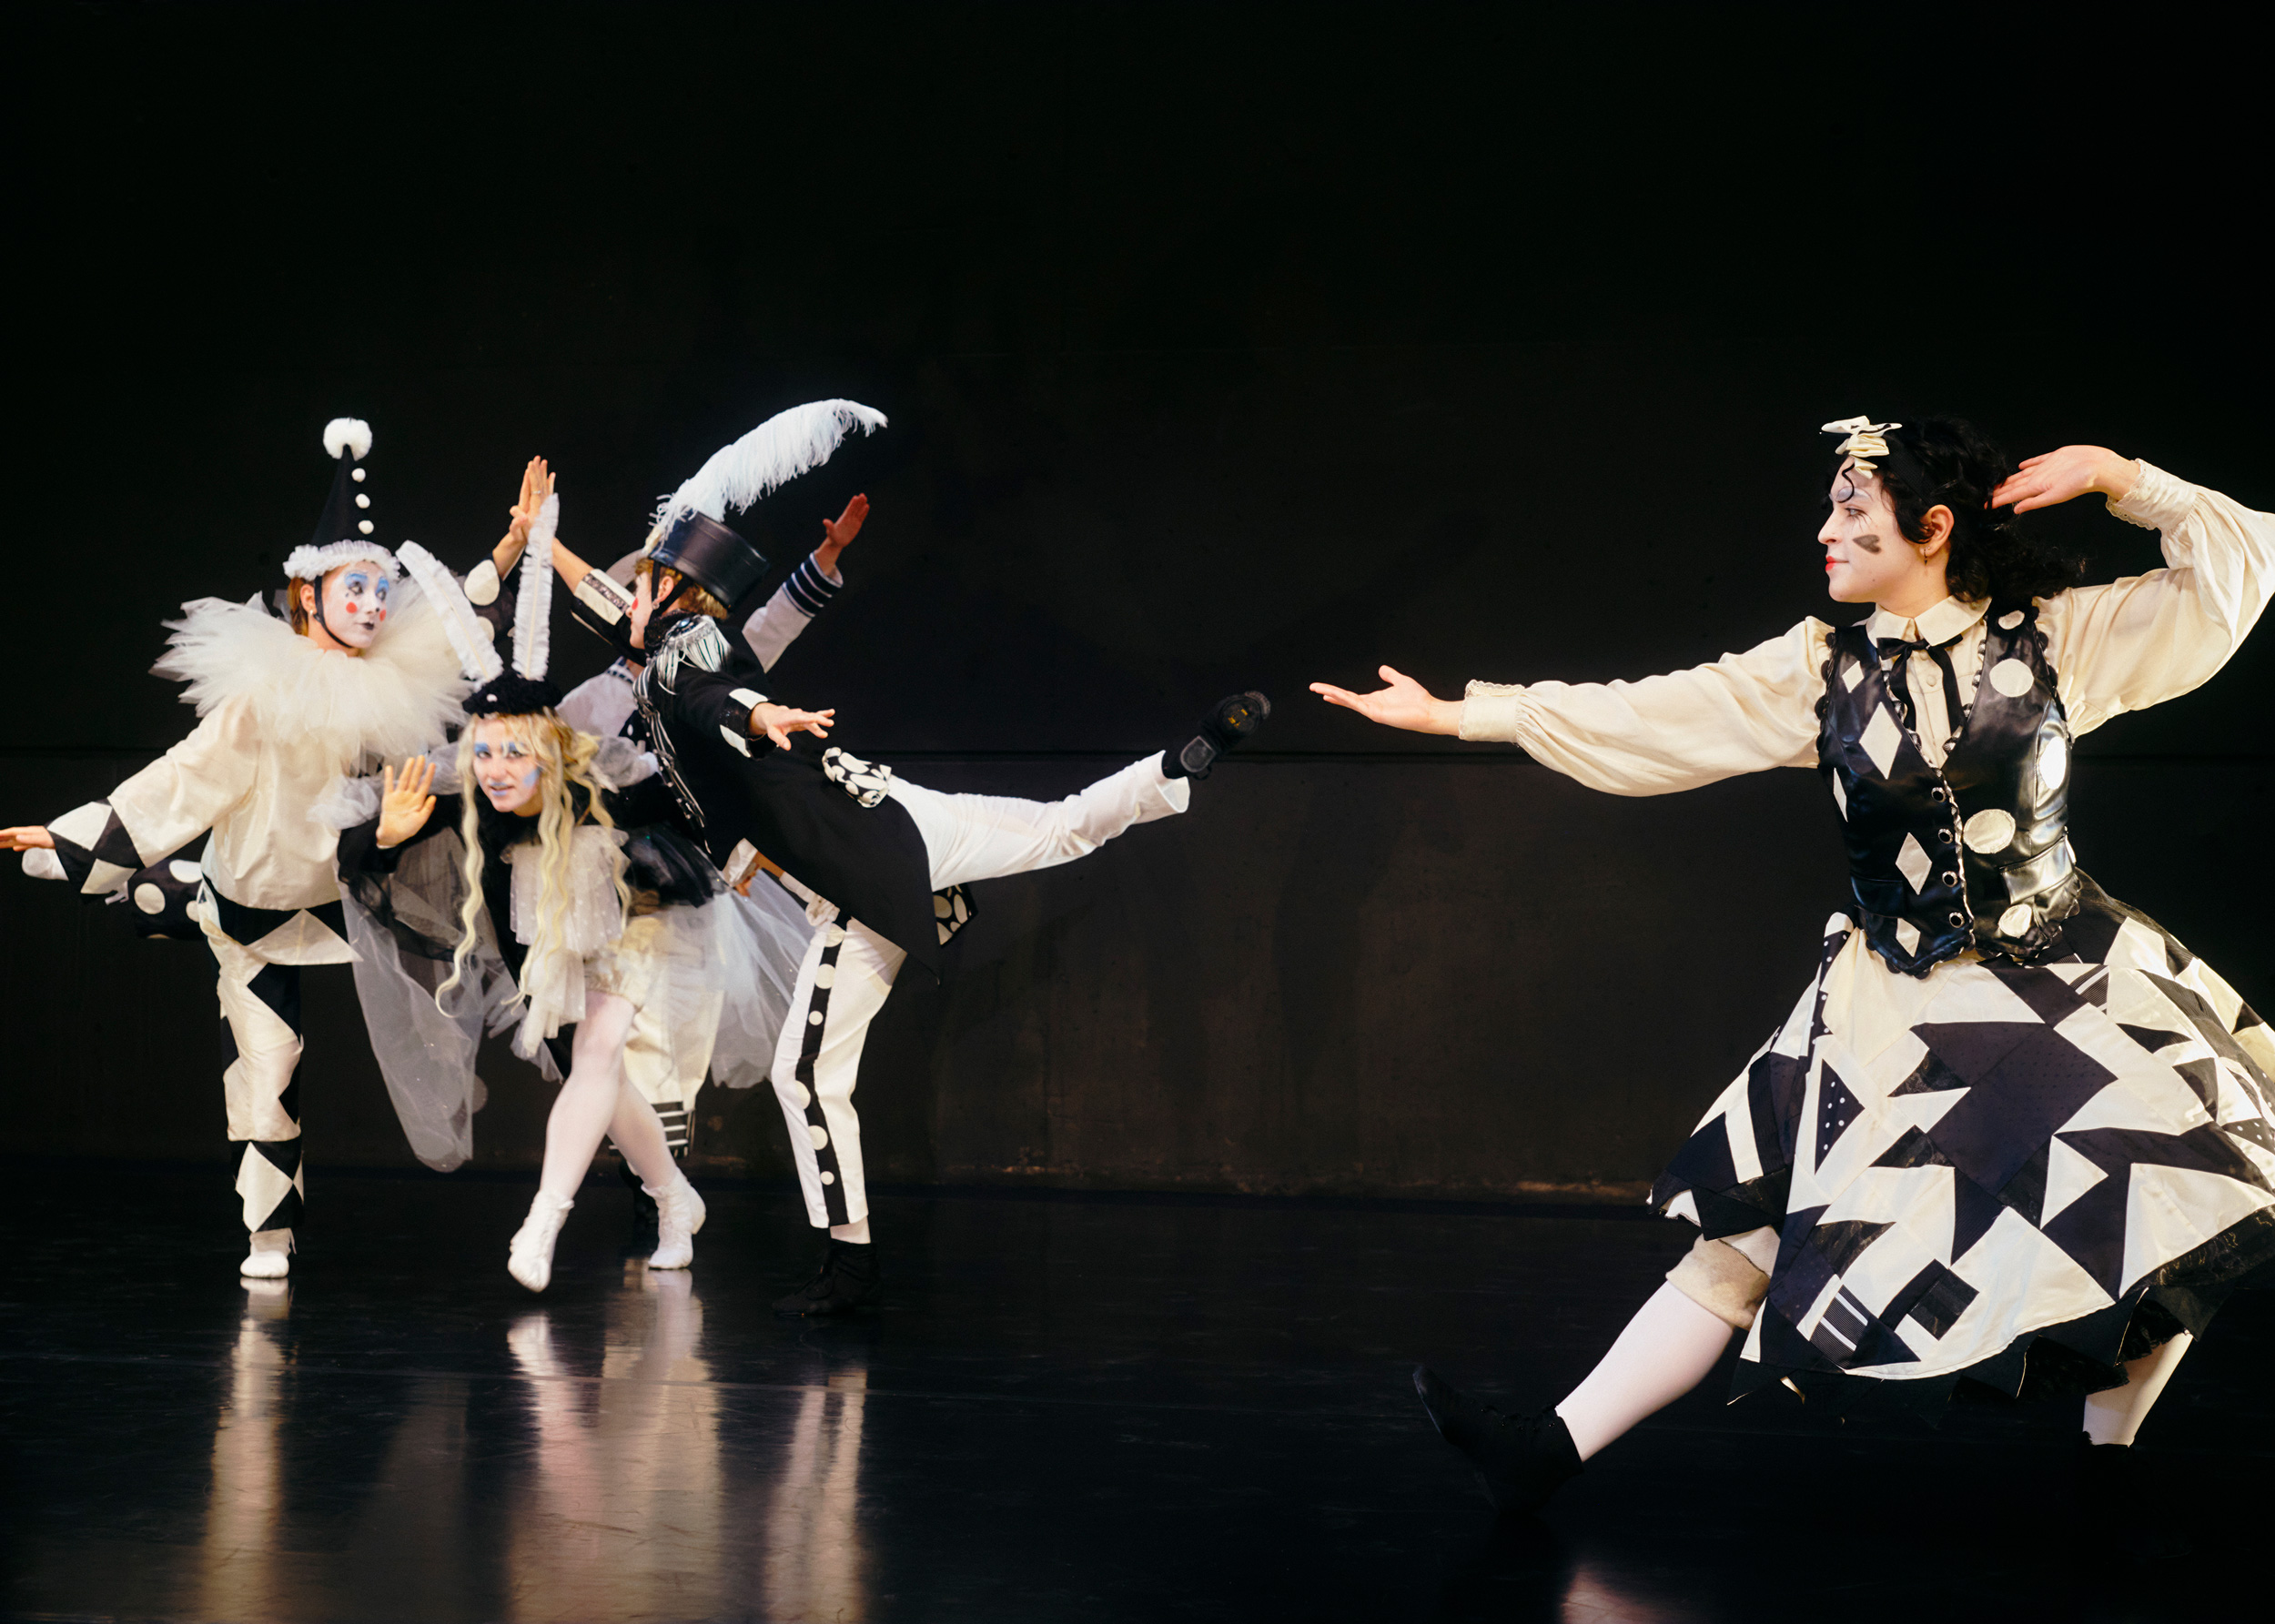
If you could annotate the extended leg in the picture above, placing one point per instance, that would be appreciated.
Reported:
(2115, 1417)
(1667, 1350)
(981, 837)
(588, 1097)
(260, 1033)
(581, 1114)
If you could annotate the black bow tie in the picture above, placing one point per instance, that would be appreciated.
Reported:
(1897, 653)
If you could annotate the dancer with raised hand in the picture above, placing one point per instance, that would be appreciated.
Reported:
(667, 1068)
(884, 863)
(357, 669)
(2013, 1130)
(596, 918)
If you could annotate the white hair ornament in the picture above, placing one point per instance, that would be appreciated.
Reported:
(1866, 439)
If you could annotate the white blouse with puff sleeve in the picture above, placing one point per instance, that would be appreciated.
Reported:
(2119, 647)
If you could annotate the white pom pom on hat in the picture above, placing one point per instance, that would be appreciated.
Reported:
(348, 434)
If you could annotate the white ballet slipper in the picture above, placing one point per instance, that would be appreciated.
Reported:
(529, 1259)
(679, 1215)
(271, 1256)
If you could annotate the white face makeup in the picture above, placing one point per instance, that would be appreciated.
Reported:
(505, 767)
(1866, 555)
(355, 603)
(644, 601)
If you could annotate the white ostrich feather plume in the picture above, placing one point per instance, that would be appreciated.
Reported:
(395, 698)
(771, 454)
(467, 632)
(348, 434)
(533, 610)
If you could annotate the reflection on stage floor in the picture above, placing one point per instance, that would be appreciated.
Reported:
(1068, 1409)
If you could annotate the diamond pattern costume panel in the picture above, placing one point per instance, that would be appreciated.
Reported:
(1964, 1164)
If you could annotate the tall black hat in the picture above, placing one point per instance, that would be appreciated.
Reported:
(711, 555)
(691, 533)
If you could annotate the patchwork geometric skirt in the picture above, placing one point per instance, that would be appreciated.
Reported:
(2019, 1175)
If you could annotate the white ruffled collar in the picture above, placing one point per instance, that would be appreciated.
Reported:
(397, 697)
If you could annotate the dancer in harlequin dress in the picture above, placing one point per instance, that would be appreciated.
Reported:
(359, 669)
(883, 863)
(599, 919)
(2013, 1131)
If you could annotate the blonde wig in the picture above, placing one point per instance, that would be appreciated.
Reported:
(564, 757)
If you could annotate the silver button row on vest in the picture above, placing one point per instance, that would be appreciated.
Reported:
(1959, 919)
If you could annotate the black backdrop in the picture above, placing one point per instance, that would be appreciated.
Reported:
(1222, 349)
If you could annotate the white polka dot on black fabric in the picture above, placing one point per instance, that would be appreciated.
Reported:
(150, 898)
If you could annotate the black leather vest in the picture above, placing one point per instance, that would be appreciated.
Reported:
(1974, 854)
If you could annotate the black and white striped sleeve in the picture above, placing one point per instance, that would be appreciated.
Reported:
(806, 593)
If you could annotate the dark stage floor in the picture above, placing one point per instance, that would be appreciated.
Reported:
(1070, 1409)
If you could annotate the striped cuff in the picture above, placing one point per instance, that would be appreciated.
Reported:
(809, 588)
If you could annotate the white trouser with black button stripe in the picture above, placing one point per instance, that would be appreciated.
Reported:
(848, 969)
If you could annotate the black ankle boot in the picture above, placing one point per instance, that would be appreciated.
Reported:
(1519, 1459)
(1230, 721)
(846, 1279)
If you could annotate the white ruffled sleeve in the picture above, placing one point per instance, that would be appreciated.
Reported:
(1742, 713)
(2147, 639)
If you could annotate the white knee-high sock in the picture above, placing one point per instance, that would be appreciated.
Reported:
(1664, 1352)
(2115, 1417)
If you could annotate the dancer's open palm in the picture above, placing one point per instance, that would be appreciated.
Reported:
(1405, 703)
(406, 801)
(837, 535)
(779, 722)
(28, 837)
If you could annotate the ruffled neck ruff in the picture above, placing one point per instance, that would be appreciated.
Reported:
(397, 697)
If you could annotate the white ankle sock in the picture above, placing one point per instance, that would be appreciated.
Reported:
(1664, 1352)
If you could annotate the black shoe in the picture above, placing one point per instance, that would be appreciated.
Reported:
(1230, 723)
(846, 1279)
(1519, 1459)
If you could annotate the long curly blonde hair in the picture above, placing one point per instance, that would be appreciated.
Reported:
(564, 757)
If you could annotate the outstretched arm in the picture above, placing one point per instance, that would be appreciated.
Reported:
(1405, 703)
(155, 813)
(705, 705)
(1743, 713)
(807, 590)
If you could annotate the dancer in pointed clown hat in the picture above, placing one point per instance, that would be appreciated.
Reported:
(358, 669)
(2013, 1131)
